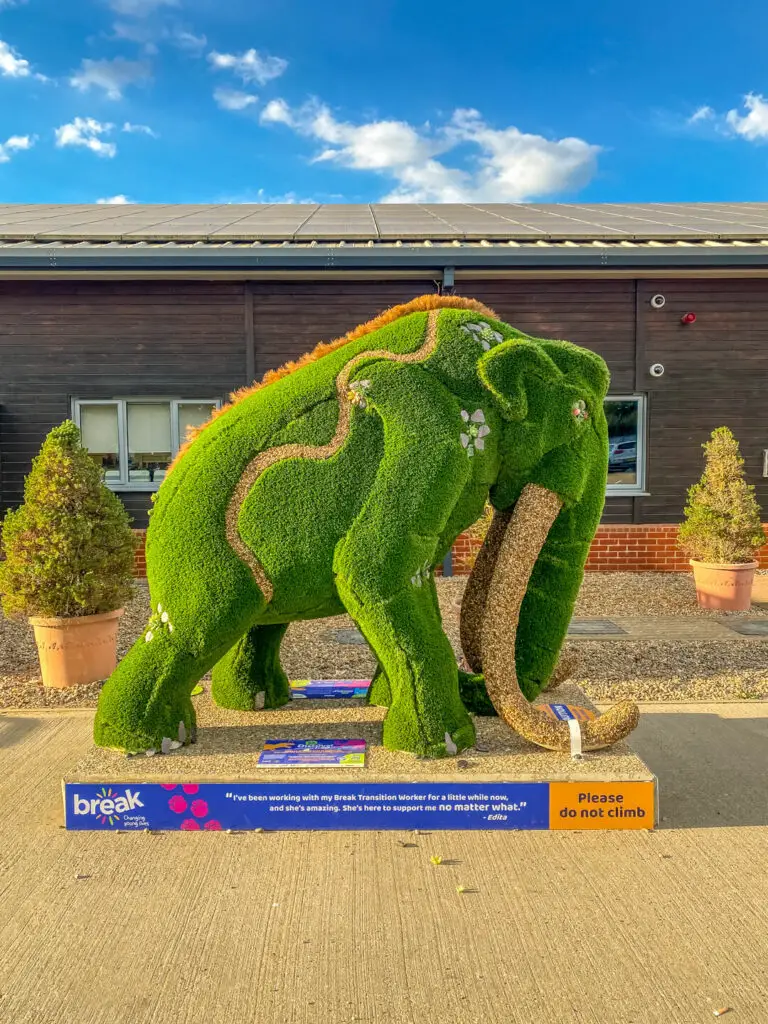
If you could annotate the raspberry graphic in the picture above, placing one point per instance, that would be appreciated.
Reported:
(199, 808)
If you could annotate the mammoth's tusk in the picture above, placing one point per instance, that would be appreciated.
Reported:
(476, 591)
(533, 516)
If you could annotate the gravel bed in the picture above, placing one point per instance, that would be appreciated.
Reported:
(731, 669)
(627, 594)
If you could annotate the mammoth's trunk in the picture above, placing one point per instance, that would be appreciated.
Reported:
(517, 552)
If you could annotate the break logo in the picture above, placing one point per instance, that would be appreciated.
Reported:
(107, 805)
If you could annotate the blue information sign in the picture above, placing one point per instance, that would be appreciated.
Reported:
(277, 805)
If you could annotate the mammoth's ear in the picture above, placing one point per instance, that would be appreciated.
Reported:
(507, 369)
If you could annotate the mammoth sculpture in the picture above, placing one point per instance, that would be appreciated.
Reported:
(337, 484)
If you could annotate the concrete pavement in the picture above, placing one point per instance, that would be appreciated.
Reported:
(584, 928)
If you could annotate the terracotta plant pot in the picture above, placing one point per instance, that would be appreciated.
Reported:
(725, 587)
(75, 651)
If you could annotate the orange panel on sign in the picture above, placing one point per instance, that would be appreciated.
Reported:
(614, 805)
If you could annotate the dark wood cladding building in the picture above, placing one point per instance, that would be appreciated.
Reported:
(135, 320)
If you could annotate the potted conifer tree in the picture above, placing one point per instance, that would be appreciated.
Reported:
(68, 562)
(722, 531)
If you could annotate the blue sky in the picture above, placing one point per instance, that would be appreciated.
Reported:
(367, 100)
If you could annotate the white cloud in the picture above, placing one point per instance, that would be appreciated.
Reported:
(140, 8)
(110, 75)
(753, 126)
(137, 32)
(249, 66)
(278, 112)
(702, 114)
(11, 64)
(120, 200)
(508, 165)
(86, 131)
(149, 33)
(13, 145)
(186, 40)
(233, 99)
(262, 196)
(139, 129)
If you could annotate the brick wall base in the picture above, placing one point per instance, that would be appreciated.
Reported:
(636, 548)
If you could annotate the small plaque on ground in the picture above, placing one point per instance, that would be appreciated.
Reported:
(747, 627)
(312, 754)
(324, 689)
(564, 712)
(594, 627)
(347, 636)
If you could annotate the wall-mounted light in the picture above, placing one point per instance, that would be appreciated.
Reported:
(688, 318)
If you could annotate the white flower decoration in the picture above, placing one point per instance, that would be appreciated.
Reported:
(483, 333)
(157, 621)
(357, 392)
(477, 430)
(423, 573)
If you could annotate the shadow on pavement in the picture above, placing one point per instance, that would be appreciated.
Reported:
(712, 770)
(13, 730)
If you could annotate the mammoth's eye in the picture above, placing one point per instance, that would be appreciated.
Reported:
(579, 411)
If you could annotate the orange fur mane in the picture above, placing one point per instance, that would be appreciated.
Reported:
(424, 303)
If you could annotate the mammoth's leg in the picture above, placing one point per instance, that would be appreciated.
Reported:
(252, 667)
(426, 715)
(146, 700)
(382, 564)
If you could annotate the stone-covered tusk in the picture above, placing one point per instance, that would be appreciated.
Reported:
(523, 539)
(476, 591)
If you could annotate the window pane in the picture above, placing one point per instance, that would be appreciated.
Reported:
(193, 414)
(149, 441)
(622, 419)
(98, 429)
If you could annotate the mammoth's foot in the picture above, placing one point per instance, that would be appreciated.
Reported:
(145, 705)
(252, 667)
(474, 695)
(444, 732)
(125, 722)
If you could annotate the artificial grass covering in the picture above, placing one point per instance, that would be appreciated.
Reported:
(340, 485)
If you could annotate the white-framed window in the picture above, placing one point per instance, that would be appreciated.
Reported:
(626, 437)
(134, 440)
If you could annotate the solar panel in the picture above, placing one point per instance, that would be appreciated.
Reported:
(525, 222)
(336, 221)
(275, 222)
